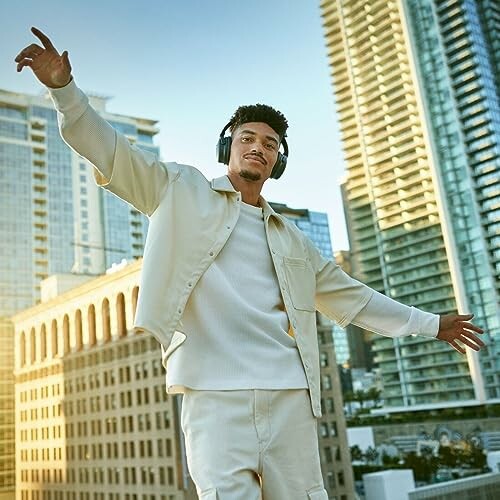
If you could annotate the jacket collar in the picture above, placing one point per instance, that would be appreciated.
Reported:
(223, 183)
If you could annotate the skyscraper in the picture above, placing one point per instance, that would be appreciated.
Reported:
(417, 93)
(53, 218)
(334, 450)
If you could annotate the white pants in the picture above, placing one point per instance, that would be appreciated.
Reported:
(252, 444)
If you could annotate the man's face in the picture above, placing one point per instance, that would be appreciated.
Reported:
(254, 150)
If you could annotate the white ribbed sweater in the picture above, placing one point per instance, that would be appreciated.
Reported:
(235, 321)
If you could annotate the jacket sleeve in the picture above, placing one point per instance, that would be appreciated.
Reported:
(389, 317)
(347, 300)
(338, 296)
(134, 175)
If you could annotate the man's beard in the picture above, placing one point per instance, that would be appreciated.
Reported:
(251, 176)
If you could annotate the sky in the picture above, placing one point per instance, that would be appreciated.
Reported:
(189, 64)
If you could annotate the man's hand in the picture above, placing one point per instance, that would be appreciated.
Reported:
(52, 69)
(456, 327)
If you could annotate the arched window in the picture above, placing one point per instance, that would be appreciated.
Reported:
(32, 346)
(106, 321)
(22, 349)
(78, 330)
(43, 342)
(120, 315)
(66, 344)
(91, 325)
(135, 295)
(54, 344)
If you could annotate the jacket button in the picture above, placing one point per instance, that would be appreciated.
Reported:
(190, 284)
(211, 254)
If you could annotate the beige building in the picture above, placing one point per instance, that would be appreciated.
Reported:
(334, 450)
(93, 420)
(7, 442)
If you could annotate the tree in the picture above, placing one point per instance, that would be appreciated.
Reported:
(373, 394)
(360, 397)
(371, 455)
(356, 453)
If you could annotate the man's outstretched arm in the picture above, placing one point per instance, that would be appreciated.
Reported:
(347, 300)
(134, 175)
(388, 317)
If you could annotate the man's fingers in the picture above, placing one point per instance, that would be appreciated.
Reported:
(30, 51)
(474, 328)
(464, 317)
(468, 343)
(474, 339)
(43, 38)
(457, 347)
(24, 62)
(65, 58)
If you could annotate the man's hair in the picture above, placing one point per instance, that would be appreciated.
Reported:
(260, 113)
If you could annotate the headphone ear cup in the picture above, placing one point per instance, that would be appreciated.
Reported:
(224, 150)
(279, 166)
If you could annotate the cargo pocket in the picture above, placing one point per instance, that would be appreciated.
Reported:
(318, 493)
(301, 283)
(210, 494)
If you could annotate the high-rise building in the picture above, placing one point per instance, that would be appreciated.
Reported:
(93, 419)
(334, 450)
(53, 218)
(417, 92)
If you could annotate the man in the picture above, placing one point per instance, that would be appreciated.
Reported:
(230, 290)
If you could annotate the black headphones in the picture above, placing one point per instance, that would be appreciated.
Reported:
(224, 151)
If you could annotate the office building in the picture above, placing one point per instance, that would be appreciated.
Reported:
(53, 218)
(334, 450)
(7, 441)
(417, 91)
(93, 419)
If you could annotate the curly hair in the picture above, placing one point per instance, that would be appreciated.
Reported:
(260, 113)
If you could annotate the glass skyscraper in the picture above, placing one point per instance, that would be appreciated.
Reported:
(334, 450)
(53, 218)
(417, 91)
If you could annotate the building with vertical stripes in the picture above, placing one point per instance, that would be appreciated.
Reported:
(53, 218)
(417, 90)
(93, 419)
(334, 450)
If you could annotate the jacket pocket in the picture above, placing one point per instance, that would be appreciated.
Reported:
(210, 494)
(317, 494)
(301, 283)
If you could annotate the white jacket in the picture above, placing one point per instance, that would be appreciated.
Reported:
(191, 220)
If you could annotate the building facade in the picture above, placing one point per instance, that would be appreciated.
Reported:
(93, 420)
(7, 414)
(334, 450)
(416, 85)
(53, 218)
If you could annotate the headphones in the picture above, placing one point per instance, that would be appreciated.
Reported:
(224, 151)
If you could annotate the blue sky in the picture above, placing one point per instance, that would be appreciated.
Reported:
(190, 64)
